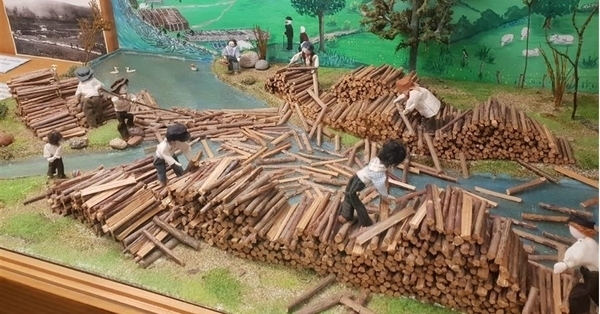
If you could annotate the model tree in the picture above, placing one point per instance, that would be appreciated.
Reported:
(552, 8)
(91, 28)
(319, 8)
(422, 21)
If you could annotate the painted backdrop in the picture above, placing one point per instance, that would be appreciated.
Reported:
(49, 28)
(488, 42)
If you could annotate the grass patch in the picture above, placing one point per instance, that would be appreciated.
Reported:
(100, 137)
(224, 286)
(32, 227)
(394, 305)
(13, 191)
(496, 167)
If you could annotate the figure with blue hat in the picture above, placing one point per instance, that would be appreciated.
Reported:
(89, 96)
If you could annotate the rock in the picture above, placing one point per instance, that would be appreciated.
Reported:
(118, 143)
(135, 140)
(261, 65)
(136, 131)
(6, 139)
(78, 142)
(248, 59)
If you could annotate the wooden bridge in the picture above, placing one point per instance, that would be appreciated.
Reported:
(223, 35)
(171, 19)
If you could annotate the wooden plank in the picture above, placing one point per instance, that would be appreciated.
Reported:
(163, 248)
(384, 225)
(108, 186)
(499, 195)
(466, 217)
(576, 176)
(306, 295)
(209, 152)
(178, 234)
(402, 185)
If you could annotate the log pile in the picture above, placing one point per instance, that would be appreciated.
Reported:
(291, 83)
(367, 83)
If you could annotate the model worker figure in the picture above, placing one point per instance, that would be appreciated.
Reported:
(392, 154)
(307, 56)
(122, 106)
(582, 255)
(231, 53)
(303, 37)
(418, 98)
(177, 136)
(289, 32)
(53, 153)
(88, 96)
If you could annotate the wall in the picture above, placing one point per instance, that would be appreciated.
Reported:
(49, 28)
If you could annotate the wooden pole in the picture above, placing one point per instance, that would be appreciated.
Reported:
(311, 292)
(526, 186)
(162, 247)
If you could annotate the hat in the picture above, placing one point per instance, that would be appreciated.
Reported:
(177, 132)
(116, 86)
(582, 222)
(288, 18)
(302, 29)
(307, 45)
(406, 83)
(84, 73)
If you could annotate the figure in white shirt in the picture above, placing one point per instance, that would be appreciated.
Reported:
(582, 255)
(307, 56)
(231, 53)
(122, 102)
(53, 154)
(88, 94)
(392, 154)
(417, 98)
(177, 136)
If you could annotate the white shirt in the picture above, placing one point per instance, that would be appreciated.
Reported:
(298, 56)
(122, 104)
(422, 100)
(165, 150)
(52, 152)
(583, 253)
(89, 88)
(374, 172)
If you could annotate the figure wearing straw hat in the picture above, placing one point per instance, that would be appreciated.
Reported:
(582, 255)
(417, 98)
(88, 95)
(122, 103)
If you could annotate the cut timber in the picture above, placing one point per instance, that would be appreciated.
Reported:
(499, 195)
(566, 210)
(432, 152)
(402, 185)
(532, 301)
(384, 225)
(180, 235)
(590, 202)
(209, 152)
(537, 171)
(537, 239)
(463, 165)
(34, 199)
(526, 186)
(355, 306)
(108, 186)
(576, 176)
(162, 247)
(311, 292)
(323, 305)
(548, 218)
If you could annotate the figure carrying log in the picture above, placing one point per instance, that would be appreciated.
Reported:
(418, 98)
(89, 96)
(122, 104)
(391, 155)
(53, 154)
(583, 255)
(177, 136)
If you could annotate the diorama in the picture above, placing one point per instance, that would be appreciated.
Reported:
(298, 156)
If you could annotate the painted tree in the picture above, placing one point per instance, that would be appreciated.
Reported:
(422, 21)
(319, 9)
(91, 28)
(553, 8)
(528, 3)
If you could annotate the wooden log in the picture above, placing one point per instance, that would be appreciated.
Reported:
(526, 186)
(532, 301)
(355, 305)
(432, 152)
(361, 299)
(589, 202)
(324, 304)
(548, 218)
(541, 240)
(537, 171)
(178, 234)
(310, 292)
(34, 199)
(566, 210)
(499, 195)
(565, 240)
(463, 165)
(162, 247)
(576, 176)
(384, 225)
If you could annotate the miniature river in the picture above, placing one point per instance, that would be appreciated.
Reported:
(173, 84)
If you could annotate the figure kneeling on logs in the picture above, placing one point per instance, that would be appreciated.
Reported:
(418, 98)
(122, 104)
(583, 254)
(88, 96)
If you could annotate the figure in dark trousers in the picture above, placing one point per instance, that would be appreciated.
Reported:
(53, 153)
(88, 96)
(122, 106)
(177, 136)
(303, 37)
(392, 154)
(289, 33)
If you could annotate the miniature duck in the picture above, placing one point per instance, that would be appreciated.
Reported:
(193, 67)
(128, 70)
(115, 71)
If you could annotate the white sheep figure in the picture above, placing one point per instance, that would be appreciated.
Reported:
(507, 39)
(531, 53)
(244, 45)
(524, 33)
(561, 39)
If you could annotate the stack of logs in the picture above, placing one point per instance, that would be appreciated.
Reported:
(361, 104)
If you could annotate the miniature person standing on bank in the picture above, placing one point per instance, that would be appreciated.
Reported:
(122, 106)
(391, 155)
(177, 136)
(289, 33)
(582, 255)
(418, 98)
(88, 95)
(53, 154)
(231, 53)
